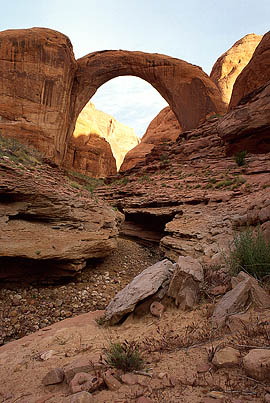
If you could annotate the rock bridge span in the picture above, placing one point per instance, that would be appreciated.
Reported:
(43, 88)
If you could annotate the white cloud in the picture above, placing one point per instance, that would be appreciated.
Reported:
(131, 101)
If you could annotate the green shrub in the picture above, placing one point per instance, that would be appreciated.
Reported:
(240, 158)
(251, 253)
(125, 356)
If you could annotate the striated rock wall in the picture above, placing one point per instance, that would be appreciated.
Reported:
(164, 127)
(37, 69)
(229, 65)
(120, 137)
(255, 74)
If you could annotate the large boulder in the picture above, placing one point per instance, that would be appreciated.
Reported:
(255, 74)
(164, 127)
(142, 286)
(49, 228)
(230, 64)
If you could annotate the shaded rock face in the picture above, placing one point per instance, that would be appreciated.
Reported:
(255, 74)
(37, 68)
(94, 122)
(247, 126)
(229, 65)
(49, 229)
(164, 127)
(90, 155)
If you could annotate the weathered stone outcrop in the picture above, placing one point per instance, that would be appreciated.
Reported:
(229, 65)
(37, 68)
(90, 155)
(164, 127)
(255, 74)
(121, 138)
(49, 229)
(247, 126)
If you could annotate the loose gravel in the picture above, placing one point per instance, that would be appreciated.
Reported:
(26, 309)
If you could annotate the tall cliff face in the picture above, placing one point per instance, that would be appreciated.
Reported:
(164, 127)
(255, 74)
(37, 69)
(120, 137)
(229, 65)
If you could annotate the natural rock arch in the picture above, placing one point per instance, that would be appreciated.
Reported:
(43, 88)
(188, 90)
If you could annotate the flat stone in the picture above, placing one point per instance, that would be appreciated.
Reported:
(142, 286)
(54, 376)
(129, 379)
(226, 358)
(83, 364)
(112, 383)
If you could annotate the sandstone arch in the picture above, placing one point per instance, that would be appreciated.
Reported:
(43, 88)
(188, 90)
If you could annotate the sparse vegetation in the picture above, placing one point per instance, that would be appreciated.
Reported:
(125, 356)
(240, 158)
(250, 252)
(19, 153)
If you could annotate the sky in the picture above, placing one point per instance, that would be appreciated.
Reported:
(197, 31)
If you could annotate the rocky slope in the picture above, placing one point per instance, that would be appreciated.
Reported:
(120, 137)
(50, 226)
(164, 127)
(31, 62)
(190, 197)
(229, 65)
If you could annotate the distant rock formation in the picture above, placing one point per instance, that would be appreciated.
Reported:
(164, 127)
(43, 88)
(120, 137)
(229, 65)
(90, 155)
(255, 74)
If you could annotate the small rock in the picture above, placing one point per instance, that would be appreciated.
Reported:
(112, 383)
(81, 397)
(129, 379)
(204, 367)
(226, 358)
(215, 394)
(84, 382)
(55, 375)
(157, 309)
(257, 363)
(47, 355)
(143, 399)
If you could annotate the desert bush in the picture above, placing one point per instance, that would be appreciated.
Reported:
(125, 356)
(240, 158)
(250, 252)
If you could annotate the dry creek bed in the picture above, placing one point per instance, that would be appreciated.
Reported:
(24, 310)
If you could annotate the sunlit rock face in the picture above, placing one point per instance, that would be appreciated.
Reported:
(120, 137)
(37, 68)
(164, 127)
(230, 64)
(255, 74)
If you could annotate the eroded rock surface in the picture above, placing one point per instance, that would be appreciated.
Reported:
(38, 69)
(49, 229)
(144, 285)
(163, 128)
(255, 74)
(229, 65)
